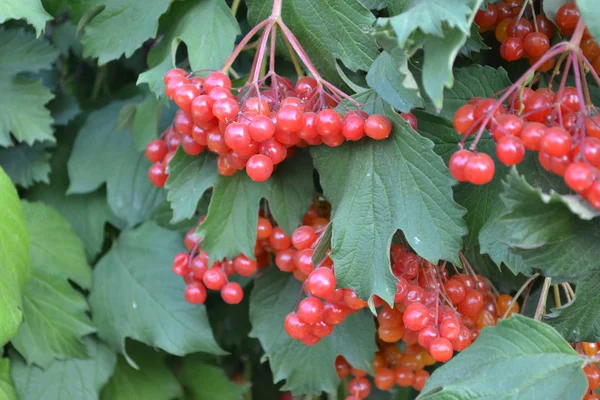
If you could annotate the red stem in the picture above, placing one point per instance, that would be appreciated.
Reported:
(241, 45)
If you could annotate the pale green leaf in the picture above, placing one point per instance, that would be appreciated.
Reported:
(203, 381)
(7, 388)
(30, 10)
(14, 259)
(74, 378)
(306, 370)
(517, 359)
(135, 294)
(591, 15)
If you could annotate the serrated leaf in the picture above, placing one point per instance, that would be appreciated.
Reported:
(135, 294)
(474, 43)
(7, 388)
(203, 381)
(86, 213)
(390, 77)
(469, 82)
(120, 28)
(26, 165)
(306, 370)
(64, 37)
(104, 153)
(517, 359)
(14, 259)
(330, 30)
(29, 10)
(64, 108)
(208, 29)
(74, 378)
(376, 187)
(578, 321)
(591, 15)
(152, 381)
(189, 178)
(20, 51)
(547, 236)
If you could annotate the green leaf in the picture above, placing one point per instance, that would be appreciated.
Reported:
(208, 29)
(330, 30)
(14, 259)
(307, 370)
(441, 27)
(105, 153)
(578, 321)
(551, 7)
(152, 381)
(26, 52)
(120, 28)
(323, 245)
(87, 213)
(74, 378)
(377, 187)
(203, 381)
(517, 359)
(29, 10)
(390, 77)
(591, 15)
(64, 37)
(64, 108)
(25, 164)
(7, 388)
(145, 121)
(189, 178)
(469, 82)
(546, 235)
(374, 4)
(135, 294)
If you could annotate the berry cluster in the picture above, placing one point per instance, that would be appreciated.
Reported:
(591, 370)
(193, 266)
(256, 132)
(568, 141)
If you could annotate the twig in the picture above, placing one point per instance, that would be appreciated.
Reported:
(539, 311)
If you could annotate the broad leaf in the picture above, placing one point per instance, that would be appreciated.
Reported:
(374, 4)
(591, 15)
(578, 320)
(330, 30)
(441, 27)
(64, 108)
(26, 52)
(517, 359)
(145, 121)
(7, 388)
(14, 259)
(29, 10)
(208, 29)
(26, 165)
(103, 152)
(74, 378)
(306, 370)
(152, 381)
(120, 28)
(87, 213)
(203, 381)
(390, 77)
(377, 187)
(546, 235)
(135, 294)
(55, 316)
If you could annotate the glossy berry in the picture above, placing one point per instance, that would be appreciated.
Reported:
(512, 49)
(510, 150)
(328, 123)
(359, 387)
(416, 316)
(310, 310)
(441, 349)
(157, 174)
(579, 176)
(378, 127)
(184, 95)
(457, 164)
(214, 279)
(259, 167)
(264, 229)
(181, 263)
(156, 150)
(232, 293)
(175, 72)
(479, 169)
(464, 118)
(450, 328)
(225, 109)
(290, 118)
(244, 265)
(567, 17)
(261, 128)
(353, 127)
(411, 119)
(303, 237)
(321, 329)
(195, 293)
(532, 134)
(427, 334)
(295, 327)
(472, 304)
(216, 79)
(236, 136)
(384, 378)
(556, 142)
(190, 146)
(279, 239)
(487, 18)
(455, 290)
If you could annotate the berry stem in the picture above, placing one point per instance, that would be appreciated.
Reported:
(539, 310)
(519, 292)
(299, 50)
(242, 44)
(556, 292)
(262, 48)
(297, 65)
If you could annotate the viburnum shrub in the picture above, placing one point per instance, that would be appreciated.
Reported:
(299, 199)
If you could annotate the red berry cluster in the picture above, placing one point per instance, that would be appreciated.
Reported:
(258, 132)
(550, 123)
(194, 267)
(591, 370)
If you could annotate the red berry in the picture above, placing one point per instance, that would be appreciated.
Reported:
(556, 142)
(536, 44)
(353, 127)
(567, 16)
(261, 128)
(321, 282)
(479, 169)
(310, 340)
(279, 239)
(506, 124)
(537, 107)
(592, 125)
(321, 329)
(487, 18)
(259, 167)
(244, 266)
(295, 327)
(421, 377)
(427, 334)
(311, 310)
(579, 176)
(328, 123)
(174, 72)
(309, 129)
(216, 79)
(284, 260)
(450, 328)
(183, 124)
(303, 261)
(195, 293)
(416, 316)
(181, 264)
(510, 150)
(532, 134)
(472, 304)
(225, 109)
(157, 174)
(593, 195)
(359, 387)
(464, 119)
(352, 300)
(441, 349)
(264, 229)
(334, 313)
(156, 150)
(303, 237)
(201, 109)
(236, 136)
(457, 164)
(384, 378)
(290, 118)
(184, 95)
(232, 293)
(455, 290)
(276, 151)
(512, 49)
(253, 104)
(190, 146)
(305, 86)
(378, 127)
(214, 278)
(411, 119)
(519, 28)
